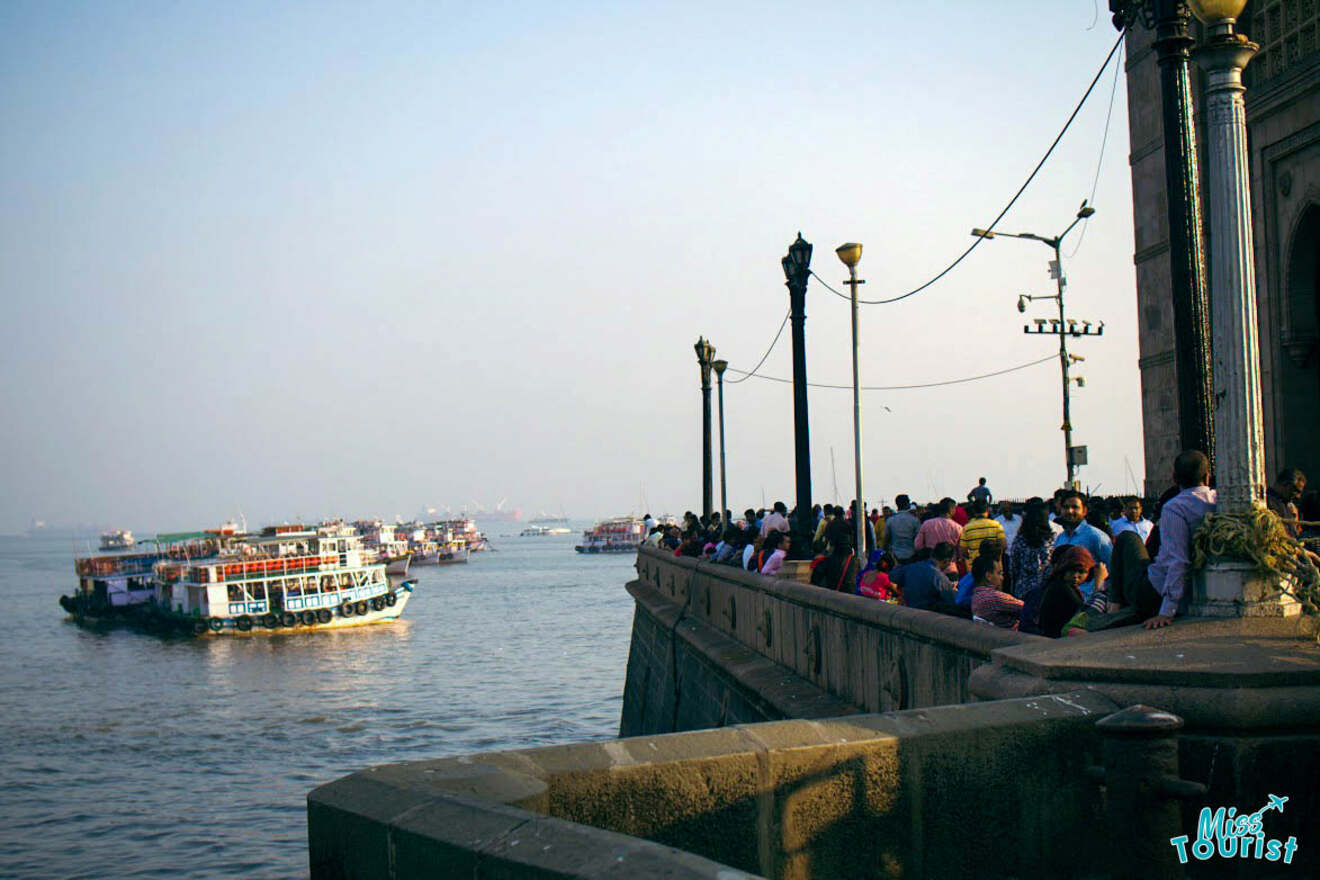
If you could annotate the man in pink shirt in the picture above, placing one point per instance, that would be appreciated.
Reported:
(940, 528)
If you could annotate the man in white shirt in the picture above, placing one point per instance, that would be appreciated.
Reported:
(776, 520)
(1131, 520)
(1009, 520)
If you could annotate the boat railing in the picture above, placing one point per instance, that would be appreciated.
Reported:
(278, 566)
(106, 566)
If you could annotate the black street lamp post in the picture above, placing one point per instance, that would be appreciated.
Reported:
(797, 269)
(1182, 180)
(705, 357)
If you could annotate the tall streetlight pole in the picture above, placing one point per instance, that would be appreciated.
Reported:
(1239, 429)
(720, 366)
(1062, 328)
(850, 254)
(1182, 181)
(705, 354)
(797, 269)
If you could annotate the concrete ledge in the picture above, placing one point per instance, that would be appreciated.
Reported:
(791, 799)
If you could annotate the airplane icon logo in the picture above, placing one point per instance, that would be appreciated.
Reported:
(1276, 803)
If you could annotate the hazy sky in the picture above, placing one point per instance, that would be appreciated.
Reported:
(296, 260)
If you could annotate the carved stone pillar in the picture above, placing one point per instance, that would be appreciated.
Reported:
(1239, 429)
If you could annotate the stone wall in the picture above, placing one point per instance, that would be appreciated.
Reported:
(911, 794)
(713, 645)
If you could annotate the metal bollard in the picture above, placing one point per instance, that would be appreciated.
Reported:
(1142, 791)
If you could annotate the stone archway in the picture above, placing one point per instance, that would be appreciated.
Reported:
(1300, 398)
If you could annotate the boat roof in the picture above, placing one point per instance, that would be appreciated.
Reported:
(172, 537)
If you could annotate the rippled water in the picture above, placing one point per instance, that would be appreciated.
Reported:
(131, 755)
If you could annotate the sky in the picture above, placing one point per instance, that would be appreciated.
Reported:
(300, 260)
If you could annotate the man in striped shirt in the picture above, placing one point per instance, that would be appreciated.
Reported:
(979, 528)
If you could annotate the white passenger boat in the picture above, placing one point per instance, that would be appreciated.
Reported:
(288, 578)
(621, 534)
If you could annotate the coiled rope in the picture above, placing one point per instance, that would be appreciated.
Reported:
(1260, 537)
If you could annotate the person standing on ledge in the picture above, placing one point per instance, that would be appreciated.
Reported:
(981, 492)
(1157, 591)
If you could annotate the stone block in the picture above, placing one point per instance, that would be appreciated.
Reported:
(1238, 589)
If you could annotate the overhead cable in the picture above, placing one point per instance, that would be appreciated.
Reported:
(747, 374)
(1052, 357)
(1011, 202)
(1099, 162)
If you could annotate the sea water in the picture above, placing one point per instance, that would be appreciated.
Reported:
(124, 754)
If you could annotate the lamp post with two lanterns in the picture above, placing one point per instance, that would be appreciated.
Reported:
(797, 269)
(1062, 327)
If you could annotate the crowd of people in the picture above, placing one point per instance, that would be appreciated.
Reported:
(1043, 565)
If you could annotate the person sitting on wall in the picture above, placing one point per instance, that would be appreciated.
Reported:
(774, 549)
(874, 582)
(692, 544)
(1051, 608)
(924, 584)
(1158, 591)
(900, 570)
(967, 583)
(730, 548)
(989, 602)
(831, 570)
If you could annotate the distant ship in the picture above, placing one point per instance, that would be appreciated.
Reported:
(619, 535)
(118, 539)
(541, 531)
(546, 520)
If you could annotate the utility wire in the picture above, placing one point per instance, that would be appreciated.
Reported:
(1099, 163)
(749, 374)
(1052, 357)
(1012, 201)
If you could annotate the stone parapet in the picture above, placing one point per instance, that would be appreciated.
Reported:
(901, 794)
(871, 656)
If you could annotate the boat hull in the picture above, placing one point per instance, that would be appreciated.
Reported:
(592, 549)
(152, 618)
